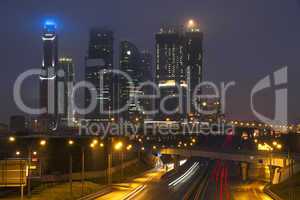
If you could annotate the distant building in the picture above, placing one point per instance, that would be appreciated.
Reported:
(17, 124)
(98, 71)
(179, 62)
(148, 75)
(66, 80)
(48, 99)
(130, 63)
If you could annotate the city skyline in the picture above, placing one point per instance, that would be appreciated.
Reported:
(172, 99)
(280, 54)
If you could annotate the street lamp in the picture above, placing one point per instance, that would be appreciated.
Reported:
(18, 153)
(101, 145)
(118, 146)
(11, 139)
(70, 142)
(129, 147)
(43, 143)
(279, 146)
(95, 141)
(92, 145)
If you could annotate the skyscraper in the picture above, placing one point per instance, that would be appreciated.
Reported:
(48, 81)
(130, 63)
(178, 70)
(193, 59)
(66, 80)
(148, 75)
(98, 71)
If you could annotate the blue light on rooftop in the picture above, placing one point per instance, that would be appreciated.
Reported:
(50, 23)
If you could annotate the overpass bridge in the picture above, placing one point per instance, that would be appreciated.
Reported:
(278, 164)
(274, 159)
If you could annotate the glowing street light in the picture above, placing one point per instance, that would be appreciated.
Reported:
(129, 147)
(154, 147)
(95, 141)
(92, 145)
(118, 146)
(34, 153)
(70, 142)
(18, 153)
(43, 143)
(11, 139)
(275, 143)
(279, 146)
(143, 148)
(101, 144)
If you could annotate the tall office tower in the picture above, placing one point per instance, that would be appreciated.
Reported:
(193, 60)
(98, 71)
(178, 70)
(130, 63)
(48, 81)
(66, 80)
(148, 75)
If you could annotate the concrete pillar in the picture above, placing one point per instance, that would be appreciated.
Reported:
(276, 176)
(244, 170)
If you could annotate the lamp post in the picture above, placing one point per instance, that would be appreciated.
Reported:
(82, 170)
(119, 147)
(71, 143)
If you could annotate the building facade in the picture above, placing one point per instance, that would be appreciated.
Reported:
(48, 79)
(98, 72)
(66, 81)
(179, 63)
(130, 63)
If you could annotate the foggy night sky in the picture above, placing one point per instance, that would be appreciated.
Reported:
(244, 40)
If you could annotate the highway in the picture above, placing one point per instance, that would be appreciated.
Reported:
(195, 179)
(152, 186)
(129, 189)
(225, 184)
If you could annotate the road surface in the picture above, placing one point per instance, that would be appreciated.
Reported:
(151, 186)
(249, 191)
